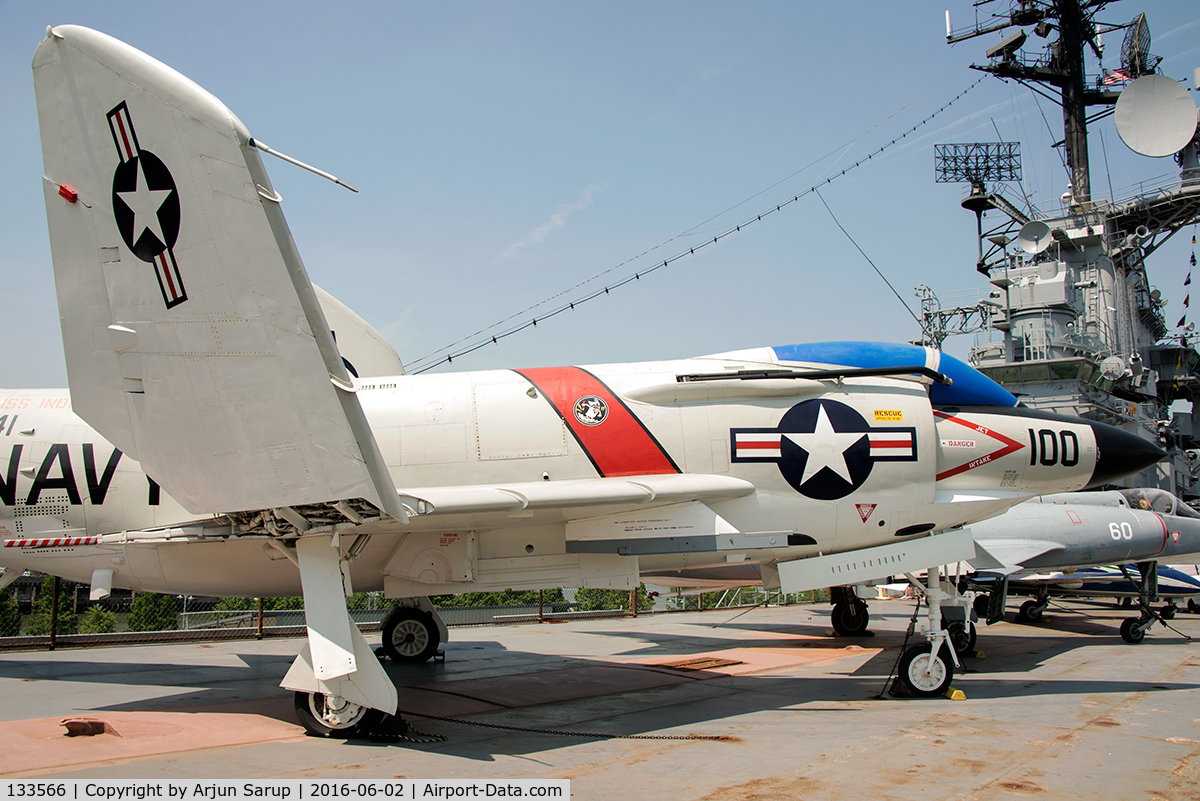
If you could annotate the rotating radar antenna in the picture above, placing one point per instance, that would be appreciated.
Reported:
(1135, 49)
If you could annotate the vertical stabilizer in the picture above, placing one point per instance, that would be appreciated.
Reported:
(365, 352)
(194, 340)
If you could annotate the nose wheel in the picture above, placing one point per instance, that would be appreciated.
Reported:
(925, 673)
(1031, 611)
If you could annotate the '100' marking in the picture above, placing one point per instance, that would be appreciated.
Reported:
(1049, 448)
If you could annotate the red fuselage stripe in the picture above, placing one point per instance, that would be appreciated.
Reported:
(125, 138)
(1164, 525)
(618, 446)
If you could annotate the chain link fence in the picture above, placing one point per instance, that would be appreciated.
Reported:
(34, 614)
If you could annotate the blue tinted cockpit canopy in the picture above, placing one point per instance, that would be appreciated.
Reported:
(970, 387)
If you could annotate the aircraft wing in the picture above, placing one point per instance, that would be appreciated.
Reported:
(1089, 576)
(581, 495)
(1008, 555)
(223, 381)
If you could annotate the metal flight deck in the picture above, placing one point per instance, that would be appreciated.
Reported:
(1063, 709)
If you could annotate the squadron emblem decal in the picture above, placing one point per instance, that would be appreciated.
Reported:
(824, 448)
(590, 410)
(146, 206)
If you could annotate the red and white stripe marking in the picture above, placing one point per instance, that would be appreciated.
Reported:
(760, 446)
(50, 542)
(891, 443)
(168, 277)
(122, 131)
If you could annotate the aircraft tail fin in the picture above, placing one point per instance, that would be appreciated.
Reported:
(194, 339)
(365, 352)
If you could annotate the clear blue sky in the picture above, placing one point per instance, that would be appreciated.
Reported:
(506, 151)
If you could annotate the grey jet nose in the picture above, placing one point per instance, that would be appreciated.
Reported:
(1120, 454)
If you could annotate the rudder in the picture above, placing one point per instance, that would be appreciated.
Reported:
(194, 339)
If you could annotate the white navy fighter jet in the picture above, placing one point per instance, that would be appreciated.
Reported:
(198, 355)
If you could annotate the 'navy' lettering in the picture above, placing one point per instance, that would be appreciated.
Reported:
(98, 489)
(57, 453)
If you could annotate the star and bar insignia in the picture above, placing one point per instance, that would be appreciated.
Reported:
(145, 205)
(824, 448)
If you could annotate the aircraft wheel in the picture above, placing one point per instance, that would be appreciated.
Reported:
(1193, 607)
(329, 716)
(850, 619)
(926, 675)
(962, 636)
(410, 635)
(1131, 631)
(1167, 612)
(981, 604)
(1029, 612)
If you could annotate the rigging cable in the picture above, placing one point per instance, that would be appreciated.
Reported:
(868, 258)
(424, 364)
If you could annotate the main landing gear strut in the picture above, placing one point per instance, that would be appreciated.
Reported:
(340, 688)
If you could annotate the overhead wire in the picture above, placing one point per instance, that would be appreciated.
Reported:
(868, 258)
(428, 362)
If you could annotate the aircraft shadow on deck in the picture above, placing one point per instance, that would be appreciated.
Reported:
(691, 702)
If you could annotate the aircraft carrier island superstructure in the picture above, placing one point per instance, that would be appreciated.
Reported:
(1070, 321)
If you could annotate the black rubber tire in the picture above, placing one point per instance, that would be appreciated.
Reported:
(981, 604)
(1193, 607)
(924, 675)
(1131, 632)
(1167, 612)
(308, 710)
(850, 619)
(962, 637)
(410, 635)
(1029, 612)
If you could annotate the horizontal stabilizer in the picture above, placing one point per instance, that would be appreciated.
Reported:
(193, 337)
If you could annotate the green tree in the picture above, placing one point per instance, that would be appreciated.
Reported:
(506, 598)
(154, 612)
(693, 601)
(98, 620)
(366, 600)
(39, 621)
(10, 614)
(591, 600)
(234, 604)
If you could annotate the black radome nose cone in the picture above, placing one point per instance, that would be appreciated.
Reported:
(1120, 454)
